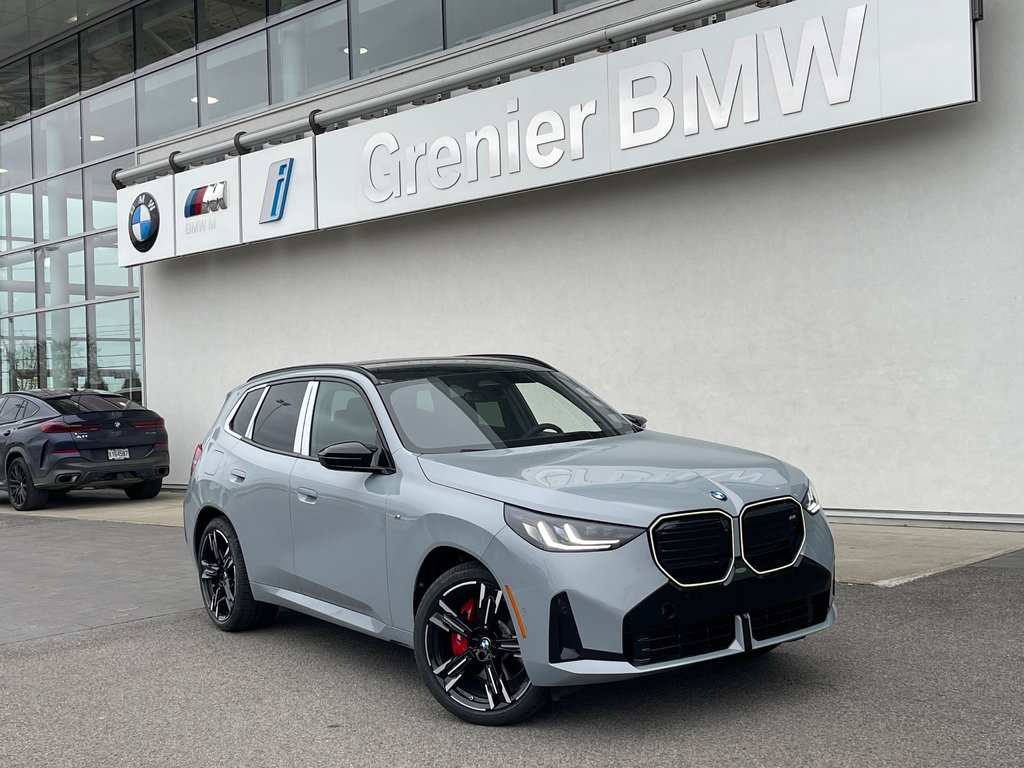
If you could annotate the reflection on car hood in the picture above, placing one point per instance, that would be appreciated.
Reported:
(629, 479)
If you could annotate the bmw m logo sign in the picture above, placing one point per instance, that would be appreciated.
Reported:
(143, 222)
(208, 199)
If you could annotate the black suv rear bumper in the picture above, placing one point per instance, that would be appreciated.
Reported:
(76, 472)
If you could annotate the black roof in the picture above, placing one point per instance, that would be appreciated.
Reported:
(405, 369)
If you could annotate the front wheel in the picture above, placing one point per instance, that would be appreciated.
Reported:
(467, 651)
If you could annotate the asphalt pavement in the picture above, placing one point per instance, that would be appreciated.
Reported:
(926, 673)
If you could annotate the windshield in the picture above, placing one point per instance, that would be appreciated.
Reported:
(497, 409)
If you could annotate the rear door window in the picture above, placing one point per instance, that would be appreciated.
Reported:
(240, 421)
(279, 416)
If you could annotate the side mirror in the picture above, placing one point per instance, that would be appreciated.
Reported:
(640, 422)
(353, 456)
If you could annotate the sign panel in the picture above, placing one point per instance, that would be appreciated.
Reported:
(796, 69)
(207, 207)
(145, 222)
(279, 191)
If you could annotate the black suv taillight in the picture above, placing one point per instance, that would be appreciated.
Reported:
(60, 427)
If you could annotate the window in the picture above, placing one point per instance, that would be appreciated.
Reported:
(308, 53)
(105, 277)
(17, 283)
(240, 422)
(115, 348)
(341, 415)
(100, 194)
(55, 73)
(20, 355)
(31, 409)
(61, 271)
(108, 123)
(15, 154)
(15, 97)
(59, 210)
(385, 32)
(279, 415)
(277, 6)
(219, 16)
(9, 410)
(164, 28)
(568, 5)
(469, 19)
(92, 404)
(233, 79)
(57, 140)
(16, 217)
(167, 102)
(65, 361)
(550, 407)
(108, 51)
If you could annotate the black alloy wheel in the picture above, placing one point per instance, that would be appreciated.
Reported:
(224, 582)
(21, 491)
(148, 489)
(468, 653)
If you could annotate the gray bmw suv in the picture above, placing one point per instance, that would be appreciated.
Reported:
(519, 534)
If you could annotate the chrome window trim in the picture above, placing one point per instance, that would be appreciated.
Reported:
(256, 410)
(803, 532)
(304, 427)
(673, 515)
(237, 406)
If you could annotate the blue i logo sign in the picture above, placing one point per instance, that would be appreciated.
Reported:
(279, 176)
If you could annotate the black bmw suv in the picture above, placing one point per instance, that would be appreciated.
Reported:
(58, 440)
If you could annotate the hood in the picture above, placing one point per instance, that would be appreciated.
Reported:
(630, 479)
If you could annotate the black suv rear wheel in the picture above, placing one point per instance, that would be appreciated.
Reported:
(21, 491)
(146, 490)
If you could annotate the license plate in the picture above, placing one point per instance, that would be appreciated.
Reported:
(116, 454)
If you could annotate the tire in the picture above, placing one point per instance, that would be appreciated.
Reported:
(224, 582)
(492, 687)
(146, 490)
(21, 491)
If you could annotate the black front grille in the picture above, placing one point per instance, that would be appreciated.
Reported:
(680, 641)
(772, 534)
(695, 549)
(781, 619)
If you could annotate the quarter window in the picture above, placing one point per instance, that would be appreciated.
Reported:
(240, 421)
(9, 412)
(279, 415)
(341, 415)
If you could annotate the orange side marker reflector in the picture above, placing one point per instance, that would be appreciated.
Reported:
(515, 609)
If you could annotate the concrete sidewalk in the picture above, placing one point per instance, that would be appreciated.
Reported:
(882, 555)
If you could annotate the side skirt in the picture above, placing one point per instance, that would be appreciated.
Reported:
(329, 612)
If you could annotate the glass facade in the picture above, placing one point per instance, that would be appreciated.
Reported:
(69, 316)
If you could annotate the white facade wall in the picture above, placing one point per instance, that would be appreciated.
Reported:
(850, 302)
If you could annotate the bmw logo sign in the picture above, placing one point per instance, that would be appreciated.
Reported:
(143, 222)
(718, 495)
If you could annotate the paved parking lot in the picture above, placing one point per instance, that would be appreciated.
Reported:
(928, 673)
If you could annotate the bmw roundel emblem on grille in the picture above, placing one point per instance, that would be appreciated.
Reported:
(143, 222)
(718, 495)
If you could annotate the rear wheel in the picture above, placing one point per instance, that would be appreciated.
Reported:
(21, 491)
(468, 653)
(147, 490)
(224, 581)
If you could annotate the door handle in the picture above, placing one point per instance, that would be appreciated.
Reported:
(237, 475)
(307, 495)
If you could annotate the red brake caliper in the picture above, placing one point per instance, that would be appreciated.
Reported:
(460, 643)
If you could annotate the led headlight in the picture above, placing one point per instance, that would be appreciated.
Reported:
(811, 503)
(563, 534)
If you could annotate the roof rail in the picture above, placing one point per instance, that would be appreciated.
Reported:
(338, 366)
(520, 358)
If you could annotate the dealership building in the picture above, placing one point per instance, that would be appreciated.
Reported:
(790, 226)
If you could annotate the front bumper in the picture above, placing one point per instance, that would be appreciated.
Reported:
(600, 616)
